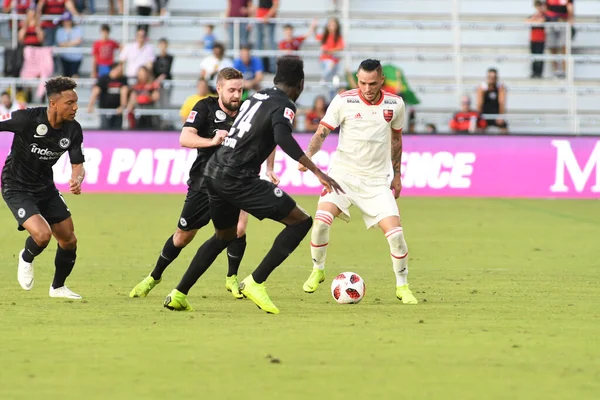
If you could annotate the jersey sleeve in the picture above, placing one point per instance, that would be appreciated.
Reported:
(398, 121)
(15, 121)
(333, 115)
(284, 114)
(198, 117)
(76, 147)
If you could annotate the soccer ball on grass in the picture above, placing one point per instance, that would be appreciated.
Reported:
(348, 288)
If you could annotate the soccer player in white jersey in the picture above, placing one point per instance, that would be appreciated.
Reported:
(371, 122)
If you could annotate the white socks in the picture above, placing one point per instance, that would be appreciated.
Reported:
(399, 252)
(319, 238)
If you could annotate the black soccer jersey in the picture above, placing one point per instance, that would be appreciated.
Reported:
(36, 147)
(207, 118)
(251, 138)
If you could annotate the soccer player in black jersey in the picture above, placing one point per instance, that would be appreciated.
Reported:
(231, 176)
(205, 129)
(41, 136)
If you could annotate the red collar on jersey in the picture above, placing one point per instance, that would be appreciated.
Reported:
(367, 102)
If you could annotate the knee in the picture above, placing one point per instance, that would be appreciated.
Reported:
(183, 238)
(304, 225)
(227, 235)
(398, 246)
(42, 237)
(323, 221)
(69, 243)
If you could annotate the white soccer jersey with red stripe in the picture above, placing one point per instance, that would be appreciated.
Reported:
(364, 144)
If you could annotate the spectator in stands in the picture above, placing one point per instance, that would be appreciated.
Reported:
(69, 36)
(7, 105)
(209, 39)
(538, 37)
(559, 11)
(431, 128)
(162, 71)
(112, 92)
(144, 95)
(211, 65)
(20, 7)
(137, 54)
(491, 99)
(89, 5)
(38, 63)
(56, 8)
(31, 33)
(161, 6)
(332, 44)
(144, 9)
(111, 7)
(202, 92)
(238, 9)
(290, 43)
(467, 120)
(103, 53)
(265, 31)
(252, 69)
(316, 114)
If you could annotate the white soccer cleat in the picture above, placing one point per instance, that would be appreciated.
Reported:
(64, 292)
(25, 273)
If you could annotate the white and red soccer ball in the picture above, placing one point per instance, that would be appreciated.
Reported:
(348, 288)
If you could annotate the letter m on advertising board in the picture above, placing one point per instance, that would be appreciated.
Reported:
(567, 165)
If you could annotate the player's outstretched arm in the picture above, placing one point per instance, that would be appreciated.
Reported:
(189, 138)
(77, 176)
(285, 140)
(316, 142)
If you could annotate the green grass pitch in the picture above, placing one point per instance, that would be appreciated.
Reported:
(509, 291)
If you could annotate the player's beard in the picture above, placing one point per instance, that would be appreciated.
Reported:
(232, 106)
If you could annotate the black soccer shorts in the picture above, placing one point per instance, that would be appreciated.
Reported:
(49, 204)
(258, 197)
(195, 213)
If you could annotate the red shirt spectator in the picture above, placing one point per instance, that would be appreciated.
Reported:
(104, 51)
(559, 8)
(21, 6)
(331, 41)
(55, 7)
(291, 43)
(467, 120)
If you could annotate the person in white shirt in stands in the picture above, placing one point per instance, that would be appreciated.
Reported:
(211, 65)
(371, 123)
(7, 106)
(137, 54)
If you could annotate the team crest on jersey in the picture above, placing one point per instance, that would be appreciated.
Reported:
(388, 115)
(220, 114)
(5, 117)
(192, 116)
(64, 143)
(41, 130)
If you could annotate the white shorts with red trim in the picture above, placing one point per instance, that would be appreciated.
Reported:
(373, 198)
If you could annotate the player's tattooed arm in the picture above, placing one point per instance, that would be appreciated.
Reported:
(396, 151)
(77, 176)
(317, 140)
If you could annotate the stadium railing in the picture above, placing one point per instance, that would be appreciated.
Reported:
(458, 57)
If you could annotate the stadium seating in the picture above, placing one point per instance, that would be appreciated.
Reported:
(418, 36)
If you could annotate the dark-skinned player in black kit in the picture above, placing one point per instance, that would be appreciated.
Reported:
(232, 178)
(41, 136)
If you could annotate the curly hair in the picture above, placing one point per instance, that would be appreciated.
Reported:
(290, 71)
(58, 85)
